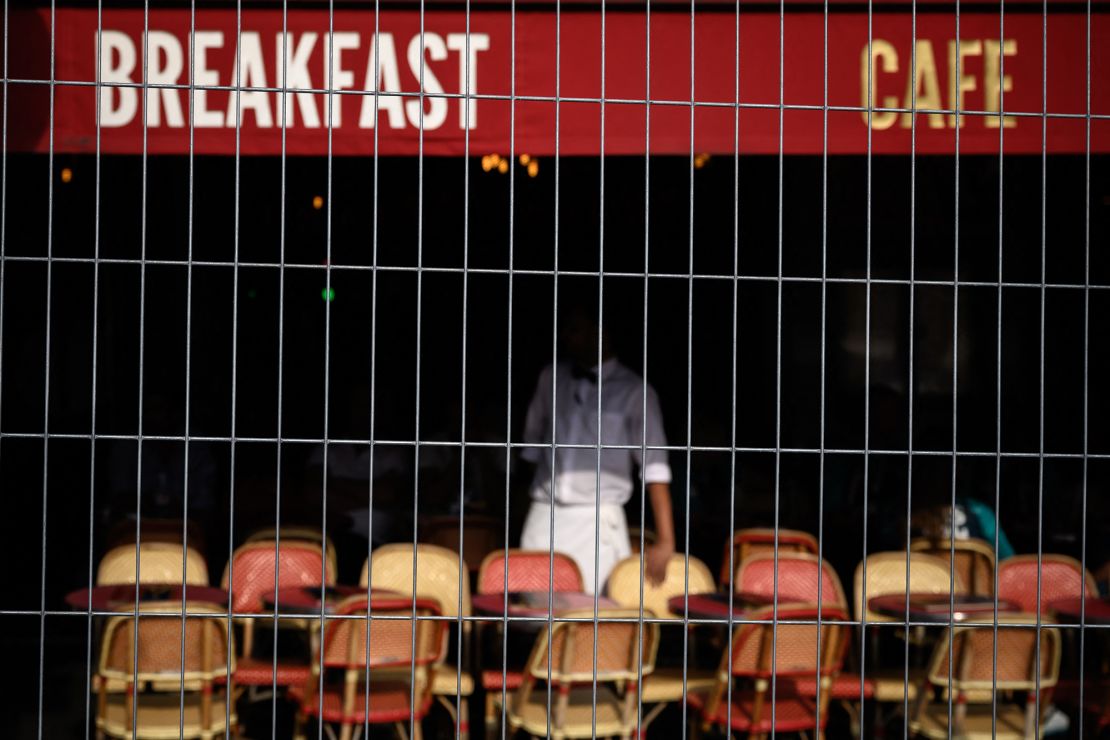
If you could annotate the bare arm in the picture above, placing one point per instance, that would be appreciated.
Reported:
(659, 554)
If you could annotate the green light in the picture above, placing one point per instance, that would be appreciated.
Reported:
(328, 294)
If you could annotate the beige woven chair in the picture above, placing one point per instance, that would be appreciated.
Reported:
(664, 685)
(974, 560)
(886, 574)
(148, 650)
(624, 654)
(159, 562)
(438, 572)
(975, 676)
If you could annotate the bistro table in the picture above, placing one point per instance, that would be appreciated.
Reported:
(1097, 609)
(715, 605)
(122, 595)
(306, 601)
(533, 604)
(937, 608)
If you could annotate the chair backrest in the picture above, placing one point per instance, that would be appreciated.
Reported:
(529, 570)
(481, 535)
(298, 533)
(799, 649)
(1062, 577)
(886, 574)
(624, 584)
(973, 656)
(153, 652)
(389, 642)
(621, 647)
(439, 574)
(254, 565)
(159, 562)
(974, 560)
(755, 540)
(799, 575)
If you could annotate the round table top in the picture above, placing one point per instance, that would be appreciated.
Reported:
(535, 603)
(715, 605)
(1095, 611)
(307, 600)
(122, 595)
(939, 608)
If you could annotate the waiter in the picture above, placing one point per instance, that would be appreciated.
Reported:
(585, 497)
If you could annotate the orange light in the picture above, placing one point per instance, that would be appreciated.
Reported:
(66, 174)
(525, 159)
(700, 160)
(533, 168)
(317, 202)
(502, 165)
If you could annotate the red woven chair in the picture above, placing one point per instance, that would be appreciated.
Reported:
(798, 577)
(528, 570)
(794, 660)
(1062, 577)
(252, 571)
(756, 540)
(379, 659)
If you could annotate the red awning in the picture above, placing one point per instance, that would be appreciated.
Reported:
(538, 82)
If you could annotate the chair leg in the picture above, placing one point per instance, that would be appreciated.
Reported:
(401, 731)
(417, 731)
(491, 716)
(464, 718)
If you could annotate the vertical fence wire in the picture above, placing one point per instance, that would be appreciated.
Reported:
(95, 340)
(46, 370)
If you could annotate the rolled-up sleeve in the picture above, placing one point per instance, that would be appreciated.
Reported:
(537, 417)
(647, 425)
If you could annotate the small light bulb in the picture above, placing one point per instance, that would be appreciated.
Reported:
(525, 159)
(487, 163)
(317, 202)
(502, 166)
(533, 168)
(66, 174)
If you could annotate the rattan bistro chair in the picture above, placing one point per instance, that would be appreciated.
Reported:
(528, 570)
(886, 574)
(252, 572)
(765, 651)
(974, 560)
(797, 579)
(756, 540)
(387, 666)
(1061, 577)
(148, 650)
(441, 576)
(664, 685)
(159, 562)
(580, 707)
(297, 533)
(975, 676)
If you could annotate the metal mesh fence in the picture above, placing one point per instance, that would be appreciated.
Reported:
(723, 367)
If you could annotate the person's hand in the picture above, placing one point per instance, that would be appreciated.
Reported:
(655, 562)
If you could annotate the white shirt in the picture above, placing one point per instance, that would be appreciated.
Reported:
(622, 423)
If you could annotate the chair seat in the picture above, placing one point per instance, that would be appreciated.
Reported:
(933, 722)
(890, 684)
(793, 712)
(389, 702)
(258, 672)
(578, 722)
(844, 687)
(159, 717)
(492, 680)
(447, 682)
(665, 684)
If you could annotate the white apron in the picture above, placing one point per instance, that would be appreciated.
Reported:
(577, 536)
